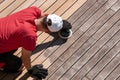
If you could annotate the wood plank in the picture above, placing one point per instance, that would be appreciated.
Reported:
(116, 7)
(29, 3)
(81, 11)
(88, 67)
(81, 42)
(104, 61)
(56, 6)
(11, 8)
(83, 19)
(57, 63)
(47, 4)
(94, 60)
(84, 69)
(43, 33)
(66, 6)
(42, 46)
(97, 57)
(92, 29)
(109, 68)
(39, 3)
(118, 78)
(114, 74)
(93, 50)
(5, 4)
(85, 78)
(67, 75)
(52, 66)
(73, 8)
(1, 1)
(105, 7)
(106, 27)
(24, 5)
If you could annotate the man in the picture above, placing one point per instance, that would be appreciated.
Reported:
(19, 30)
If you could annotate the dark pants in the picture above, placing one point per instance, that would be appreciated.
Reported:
(12, 62)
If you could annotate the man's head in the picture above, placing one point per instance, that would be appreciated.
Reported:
(53, 23)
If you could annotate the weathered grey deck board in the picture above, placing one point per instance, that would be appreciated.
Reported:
(114, 74)
(92, 53)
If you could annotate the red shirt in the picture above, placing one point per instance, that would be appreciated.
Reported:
(19, 30)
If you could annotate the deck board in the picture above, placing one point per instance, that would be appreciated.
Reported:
(11, 8)
(4, 4)
(92, 53)
(85, 48)
(113, 75)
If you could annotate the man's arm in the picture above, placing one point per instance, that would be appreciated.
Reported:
(36, 70)
(26, 58)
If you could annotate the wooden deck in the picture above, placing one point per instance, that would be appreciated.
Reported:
(92, 53)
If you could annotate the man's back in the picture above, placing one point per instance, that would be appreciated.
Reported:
(17, 28)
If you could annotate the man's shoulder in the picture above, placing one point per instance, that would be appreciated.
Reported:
(32, 11)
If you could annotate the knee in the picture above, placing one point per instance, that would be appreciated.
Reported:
(13, 64)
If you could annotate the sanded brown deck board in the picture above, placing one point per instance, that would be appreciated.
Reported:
(10, 8)
(44, 8)
(4, 4)
(23, 8)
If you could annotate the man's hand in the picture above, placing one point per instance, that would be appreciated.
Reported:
(38, 71)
